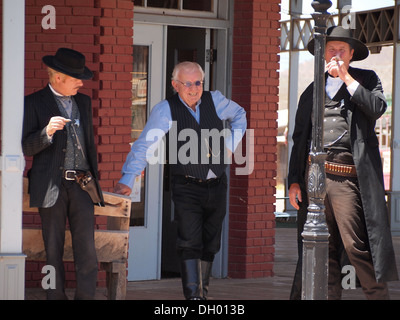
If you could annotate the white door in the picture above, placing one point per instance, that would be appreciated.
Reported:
(148, 89)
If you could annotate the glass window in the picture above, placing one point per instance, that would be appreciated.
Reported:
(167, 4)
(139, 115)
(205, 5)
(196, 5)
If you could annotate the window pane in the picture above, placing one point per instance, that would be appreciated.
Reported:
(167, 4)
(139, 113)
(139, 3)
(204, 5)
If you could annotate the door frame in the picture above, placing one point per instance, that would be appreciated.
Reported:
(150, 233)
(222, 28)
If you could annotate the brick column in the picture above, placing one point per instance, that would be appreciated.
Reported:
(115, 95)
(255, 87)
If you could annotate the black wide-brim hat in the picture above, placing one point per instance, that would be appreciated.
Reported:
(69, 62)
(338, 33)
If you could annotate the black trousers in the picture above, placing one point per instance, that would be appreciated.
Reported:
(75, 205)
(199, 211)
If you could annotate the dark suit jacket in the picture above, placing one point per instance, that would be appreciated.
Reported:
(48, 157)
(363, 109)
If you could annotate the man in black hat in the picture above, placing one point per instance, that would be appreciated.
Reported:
(58, 133)
(355, 206)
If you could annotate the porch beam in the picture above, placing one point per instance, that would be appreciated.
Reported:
(12, 260)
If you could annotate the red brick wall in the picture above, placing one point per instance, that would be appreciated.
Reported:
(76, 27)
(115, 96)
(255, 86)
(102, 31)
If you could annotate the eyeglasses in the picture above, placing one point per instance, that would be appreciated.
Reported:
(188, 84)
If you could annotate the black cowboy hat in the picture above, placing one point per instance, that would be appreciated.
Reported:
(69, 62)
(338, 33)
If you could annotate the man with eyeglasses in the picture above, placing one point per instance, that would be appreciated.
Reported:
(199, 186)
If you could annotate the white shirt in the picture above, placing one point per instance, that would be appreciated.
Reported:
(333, 85)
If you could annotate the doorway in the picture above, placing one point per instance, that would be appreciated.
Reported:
(152, 249)
(183, 44)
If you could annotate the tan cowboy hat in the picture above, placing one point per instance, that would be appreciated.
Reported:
(338, 33)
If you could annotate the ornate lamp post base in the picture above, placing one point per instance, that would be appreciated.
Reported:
(315, 234)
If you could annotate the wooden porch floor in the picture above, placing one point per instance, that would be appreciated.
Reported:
(276, 287)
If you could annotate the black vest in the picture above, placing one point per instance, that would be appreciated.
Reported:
(198, 152)
(74, 158)
(336, 128)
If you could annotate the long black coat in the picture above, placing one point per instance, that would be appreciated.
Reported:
(364, 108)
(48, 158)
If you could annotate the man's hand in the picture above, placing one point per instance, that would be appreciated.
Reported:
(337, 68)
(123, 189)
(294, 195)
(55, 124)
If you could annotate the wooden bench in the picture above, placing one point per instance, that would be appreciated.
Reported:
(111, 244)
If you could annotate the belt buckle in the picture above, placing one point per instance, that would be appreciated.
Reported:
(68, 174)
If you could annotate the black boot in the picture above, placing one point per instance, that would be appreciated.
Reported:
(191, 279)
(206, 268)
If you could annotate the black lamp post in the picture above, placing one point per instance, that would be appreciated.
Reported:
(315, 234)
